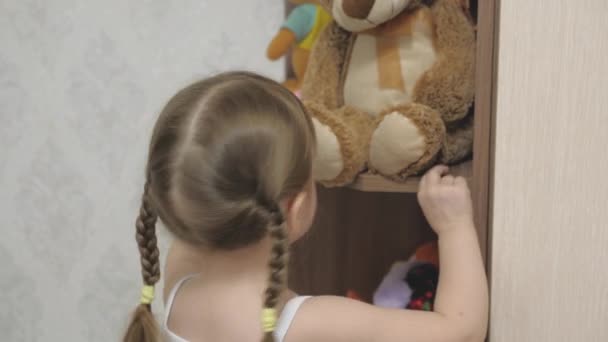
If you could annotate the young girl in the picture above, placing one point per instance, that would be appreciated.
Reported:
(229, 174)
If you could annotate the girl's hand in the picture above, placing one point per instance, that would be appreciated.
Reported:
(445, 200)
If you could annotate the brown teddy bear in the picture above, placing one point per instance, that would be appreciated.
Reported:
(299, 32)
(390, 85)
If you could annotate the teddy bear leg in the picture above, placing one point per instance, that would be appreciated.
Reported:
(406, 141)
(458, 142)
(342, 141)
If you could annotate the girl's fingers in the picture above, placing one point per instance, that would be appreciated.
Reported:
(447, 180)
(460, 181)
(434, 175)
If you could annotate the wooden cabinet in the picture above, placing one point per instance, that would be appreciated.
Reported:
(540, 129)
(549, 258)
(360, 230)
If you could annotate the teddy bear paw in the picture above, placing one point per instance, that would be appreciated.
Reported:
(328, 163)
(406, 140)
(342, 140)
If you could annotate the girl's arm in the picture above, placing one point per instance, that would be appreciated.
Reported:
(462, 293)
(461, 304)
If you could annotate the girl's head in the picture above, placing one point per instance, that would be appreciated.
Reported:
(229, 164)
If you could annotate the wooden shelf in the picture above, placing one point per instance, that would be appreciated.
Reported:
(360, 230)
(376, 183)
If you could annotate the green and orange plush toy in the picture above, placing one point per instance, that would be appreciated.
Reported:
(300, 31)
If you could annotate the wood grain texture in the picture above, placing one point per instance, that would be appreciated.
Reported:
(550, 238)
(357, 236)
(484, 118)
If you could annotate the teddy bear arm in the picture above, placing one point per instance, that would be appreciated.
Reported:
(447, 89)
(453, 27)
(449, 86)
(322, 79)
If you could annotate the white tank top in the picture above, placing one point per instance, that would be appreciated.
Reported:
(283, 324)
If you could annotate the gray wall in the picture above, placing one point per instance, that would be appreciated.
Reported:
(80, 85)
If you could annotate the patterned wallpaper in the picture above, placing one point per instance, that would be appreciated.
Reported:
(80, 85)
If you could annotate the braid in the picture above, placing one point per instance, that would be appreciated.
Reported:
(278, 263)
(143, 326)
(146, 240)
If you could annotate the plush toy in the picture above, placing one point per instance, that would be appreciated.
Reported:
(352, 294)
(390, 85)
(411, 284)
(302, 28)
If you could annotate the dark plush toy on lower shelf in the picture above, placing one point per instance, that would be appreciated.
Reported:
(422, 279)
(411, 284)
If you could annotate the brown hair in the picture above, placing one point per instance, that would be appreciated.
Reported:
(224, 152)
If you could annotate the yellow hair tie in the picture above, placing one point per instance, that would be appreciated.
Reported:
(147, 294)
(269, 320)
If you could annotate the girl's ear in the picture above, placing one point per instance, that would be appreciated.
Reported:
(300, 211)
